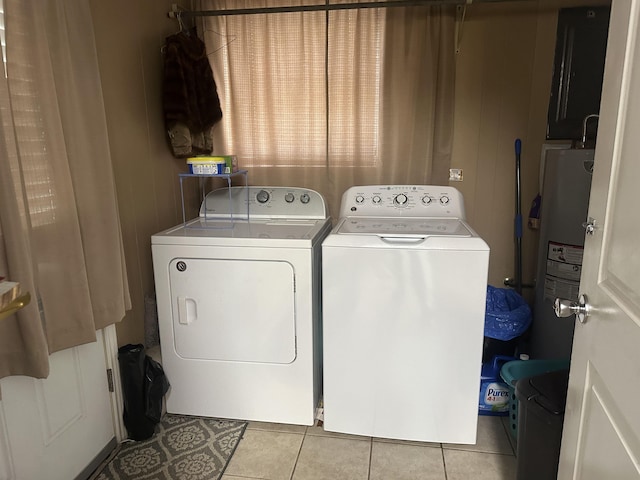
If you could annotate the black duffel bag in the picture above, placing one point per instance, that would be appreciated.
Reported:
(144, 385)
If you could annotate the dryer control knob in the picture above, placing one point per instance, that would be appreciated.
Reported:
(359, 199)
(376, 199)
(289, 198)
(400, 199)
(426, 199)
(262, 196)
(304, 198)
(444, 200)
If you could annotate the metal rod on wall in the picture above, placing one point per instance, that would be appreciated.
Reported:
(319, 7)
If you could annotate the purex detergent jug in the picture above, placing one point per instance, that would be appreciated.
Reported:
(494, 393)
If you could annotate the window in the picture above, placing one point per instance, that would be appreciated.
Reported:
(329, 100)
(2, 38)
(28, 123)
(293, 95)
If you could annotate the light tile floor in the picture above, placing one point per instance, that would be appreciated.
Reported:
(291, 452)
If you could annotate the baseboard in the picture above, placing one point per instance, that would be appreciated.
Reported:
(98, 460)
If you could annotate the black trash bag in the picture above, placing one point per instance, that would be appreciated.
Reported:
(143, 387)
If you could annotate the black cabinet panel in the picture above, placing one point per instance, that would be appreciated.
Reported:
(581, 45)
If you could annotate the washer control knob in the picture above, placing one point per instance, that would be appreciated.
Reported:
(289, 198)
(400, 199)
(262, 196)
(444, 200)
(426, 199)
(304, 198)
(376, 199)
(359, 199)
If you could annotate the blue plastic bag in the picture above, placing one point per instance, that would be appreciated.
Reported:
(507, 314)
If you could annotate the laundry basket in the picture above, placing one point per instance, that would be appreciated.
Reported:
(515, 370)
(542, 401)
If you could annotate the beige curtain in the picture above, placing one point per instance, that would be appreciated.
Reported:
(60, 233)
(375, 108)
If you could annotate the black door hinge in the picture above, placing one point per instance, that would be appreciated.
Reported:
(110, 380)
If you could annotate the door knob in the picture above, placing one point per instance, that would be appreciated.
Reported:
(566, 308)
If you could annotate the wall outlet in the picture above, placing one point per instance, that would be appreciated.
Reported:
(455, 174)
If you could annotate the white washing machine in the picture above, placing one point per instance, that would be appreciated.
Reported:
(404, 287)
(239, 305)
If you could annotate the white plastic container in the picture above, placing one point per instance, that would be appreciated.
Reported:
(206, 165)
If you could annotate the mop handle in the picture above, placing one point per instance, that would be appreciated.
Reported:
(518, 224)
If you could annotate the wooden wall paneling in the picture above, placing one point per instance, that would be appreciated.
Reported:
(130, 79)
(519, 33)
(492, 98)
(541, 76)
(468, 104)
(163, 165)
(118, 69)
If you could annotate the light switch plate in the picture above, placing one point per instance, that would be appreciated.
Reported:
(455, 174)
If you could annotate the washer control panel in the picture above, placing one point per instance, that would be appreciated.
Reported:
(264, 203)
(402, 201)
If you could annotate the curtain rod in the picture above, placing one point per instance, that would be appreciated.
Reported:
(176, 12)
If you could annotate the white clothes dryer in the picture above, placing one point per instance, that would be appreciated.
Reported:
(239, 305)
(404, 287)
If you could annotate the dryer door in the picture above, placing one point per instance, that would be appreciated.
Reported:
(233, 309)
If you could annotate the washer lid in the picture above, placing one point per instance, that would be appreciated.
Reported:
(404, 226)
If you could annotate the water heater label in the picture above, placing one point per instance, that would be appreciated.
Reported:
(562, 253)
(564, 267)
(556, 288)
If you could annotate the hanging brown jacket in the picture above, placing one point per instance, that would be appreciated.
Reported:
(190, 96)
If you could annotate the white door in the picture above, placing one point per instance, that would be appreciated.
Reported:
(54, 428)
(601, 436)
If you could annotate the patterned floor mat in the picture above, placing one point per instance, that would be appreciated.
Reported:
(183, 447)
